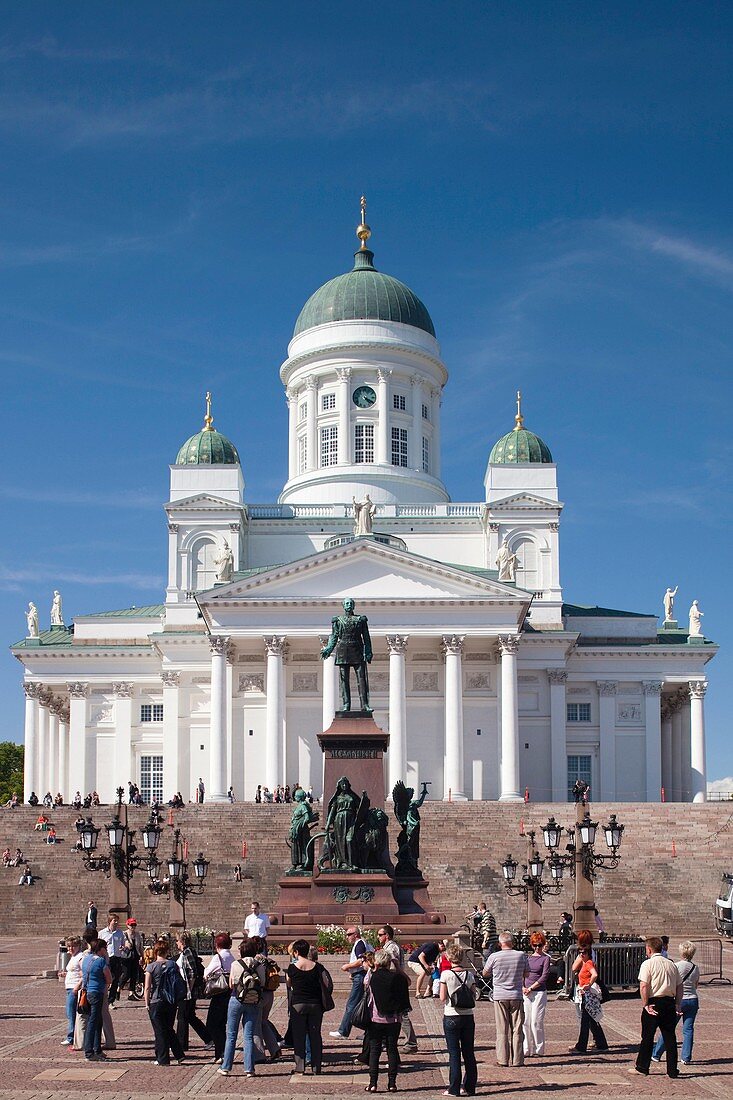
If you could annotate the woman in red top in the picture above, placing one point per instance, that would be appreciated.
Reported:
(587, 997)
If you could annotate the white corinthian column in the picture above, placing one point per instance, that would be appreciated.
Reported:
(30, 768)
(397, 759)
(509, 645)
(697, 740)
(274, 713)
(453, 781)
(217, 791)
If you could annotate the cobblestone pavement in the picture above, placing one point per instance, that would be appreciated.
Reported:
(34, 1065)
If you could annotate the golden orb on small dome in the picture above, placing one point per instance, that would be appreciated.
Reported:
(363, 231)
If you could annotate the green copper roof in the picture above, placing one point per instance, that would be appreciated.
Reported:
(579, 610)
(148, 611)
(208, 448)
(519, 446)
(364, 294)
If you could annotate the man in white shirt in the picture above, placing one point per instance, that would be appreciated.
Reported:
(257, 923)
(114, 937)
(387, 943)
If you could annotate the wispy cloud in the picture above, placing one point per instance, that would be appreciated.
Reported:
(698, 258)
(70, 497)
(19, 579)
(23, 255)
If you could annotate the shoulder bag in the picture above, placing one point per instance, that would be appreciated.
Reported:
(326, 989)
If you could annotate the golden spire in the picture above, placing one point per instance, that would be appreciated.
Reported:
(519, 419)
(363, 231)
(208, 419)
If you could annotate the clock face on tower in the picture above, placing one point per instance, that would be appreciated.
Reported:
(364, 397)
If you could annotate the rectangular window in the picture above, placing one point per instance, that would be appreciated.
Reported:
(302, 454)
(426, 454)
(329, 446)
(151, 778)
(328, 401)
(425, 412)
(363, 443)
(303, 412)
(151, 712)
(399, 446)
(399, 402)
(578, 712)
(579, 767)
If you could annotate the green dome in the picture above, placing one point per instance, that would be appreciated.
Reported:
(519, 446)
(208, 448)
(364, 294)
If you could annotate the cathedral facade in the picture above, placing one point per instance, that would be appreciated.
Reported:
(489, 683)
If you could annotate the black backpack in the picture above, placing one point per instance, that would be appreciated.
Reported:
(198, 976)
(172, 986)
(463, 996)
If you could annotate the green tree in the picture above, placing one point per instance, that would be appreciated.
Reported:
(11, 770)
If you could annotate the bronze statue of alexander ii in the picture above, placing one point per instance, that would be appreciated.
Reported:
(352, 648)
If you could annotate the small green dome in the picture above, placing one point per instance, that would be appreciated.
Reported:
(364, 294)
(519, 446)
(208, 448)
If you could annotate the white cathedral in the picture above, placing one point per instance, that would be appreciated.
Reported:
(488, 683)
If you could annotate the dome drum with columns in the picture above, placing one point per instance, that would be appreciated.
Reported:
(487, 680)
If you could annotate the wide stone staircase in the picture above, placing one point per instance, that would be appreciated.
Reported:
(673, 856)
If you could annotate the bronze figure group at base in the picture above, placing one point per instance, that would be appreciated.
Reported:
(355, 832)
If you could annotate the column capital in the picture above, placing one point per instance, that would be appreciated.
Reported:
(173, 528)
(493, 526)
(45, 696)
(698, 689)
(652, 687)
(218, 644)
(607, 687)
(275, 645)
(291, 395)
(557, 675)
(397, 643)
(78, 690)
(453, 643)
(508, 643)
(56, 706)
(384, 374)
(554, 526)
(231, 653)
(310, 382)
(123, 690)
(343, 373)
(170, 678)
(32, 691)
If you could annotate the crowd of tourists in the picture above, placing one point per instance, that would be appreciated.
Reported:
(239, 987)
(284, 793)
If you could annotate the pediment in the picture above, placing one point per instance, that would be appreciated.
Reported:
(524, 501)
(202, 502)
(366, 571)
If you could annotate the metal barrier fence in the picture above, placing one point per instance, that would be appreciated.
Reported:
(618, 965)
(709, 959)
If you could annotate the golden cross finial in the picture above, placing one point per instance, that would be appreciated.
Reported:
(208, 419)
(363, 231)
(519, 419)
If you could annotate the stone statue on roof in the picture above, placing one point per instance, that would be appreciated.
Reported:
(57, 615)
(31, 617)
(224, 563)
(506, 562)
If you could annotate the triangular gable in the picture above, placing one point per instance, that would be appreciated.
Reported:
(365, 570)
(201, 502)
(524, 500)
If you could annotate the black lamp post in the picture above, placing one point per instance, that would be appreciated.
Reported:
(531, 886)
(123, 858)
(581, 859)
(180, 885)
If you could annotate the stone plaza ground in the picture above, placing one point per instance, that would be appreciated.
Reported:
(33, 1064)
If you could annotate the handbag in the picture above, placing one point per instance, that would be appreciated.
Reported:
(326, 989)
(603, 990)
(216, 983)
(82, 1006)
(362, 1016)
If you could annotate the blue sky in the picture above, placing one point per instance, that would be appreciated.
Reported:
(552, 179)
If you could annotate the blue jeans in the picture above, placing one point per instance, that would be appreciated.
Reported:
(357, 988)
(70, 1013)
(93, 1036)
(689, 1006)
(236, 1013)
(459, 1034)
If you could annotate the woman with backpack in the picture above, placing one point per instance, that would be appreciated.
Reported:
(266, 1035)
(247, 982)
(192, 972)
(458, 992)
(216, 978)
(164, 988)
(387, 998)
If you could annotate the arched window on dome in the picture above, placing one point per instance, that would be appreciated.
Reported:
(528, 573)
(203, 570)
